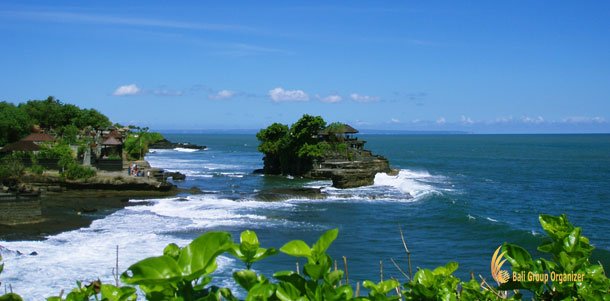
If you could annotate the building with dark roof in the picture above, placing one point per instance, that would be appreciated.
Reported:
(39, 138)
(20, 146)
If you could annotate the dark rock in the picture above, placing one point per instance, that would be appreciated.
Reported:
(176, 176)
(88, 210)
(259, 171)
(350, 174)
(280, 194)
(34, 253)
(195, 190)
(166, 144)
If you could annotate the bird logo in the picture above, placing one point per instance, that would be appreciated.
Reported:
(499, 275)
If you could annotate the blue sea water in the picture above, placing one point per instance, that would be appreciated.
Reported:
(456, 198)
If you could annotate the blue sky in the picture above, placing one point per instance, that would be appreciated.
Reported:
(477, 66)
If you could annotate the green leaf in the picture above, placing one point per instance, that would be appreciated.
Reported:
(261, 291)
(446, 270)
(344, 292)
(333, 277)
(113, 293)
(153, 270)
(246, 279)
(518, 257)
(296, 248)
(555, 226)
(10, 297)
(172, 250)
(199, 257)
(287, 292)
(293, 278)
(383, 287)
(546, 247)
(570, 243)
(263, 253)
(315, 271)
(249, 242)
(325, 241)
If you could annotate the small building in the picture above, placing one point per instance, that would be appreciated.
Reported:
(111, 146)
(39, 138)
(342, 132)
(20, 146)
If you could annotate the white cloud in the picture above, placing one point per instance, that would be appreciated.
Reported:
(466, 120)
(503, 119)
(534, 120)
(222, 94)
(330, 98)
(394, 120)
(125, 90)
(279, 94)
(441, 120)
(363, 98)
(584, 119)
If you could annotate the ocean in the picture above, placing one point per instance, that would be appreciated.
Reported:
(456, 198)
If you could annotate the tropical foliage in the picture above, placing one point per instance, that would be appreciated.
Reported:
(290, 150)
(186, 273)
(137, 142)
(50, 114)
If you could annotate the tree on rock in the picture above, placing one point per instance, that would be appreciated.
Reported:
(291, 150)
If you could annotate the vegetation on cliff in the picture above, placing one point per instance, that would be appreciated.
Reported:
(186, 273)
(52, 114)
(291, 150)
(138, 141)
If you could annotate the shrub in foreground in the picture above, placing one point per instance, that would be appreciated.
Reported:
(186, 273)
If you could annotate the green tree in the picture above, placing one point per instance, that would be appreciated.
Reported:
(69, 133)
(274, 140)
(292, 150)
(46, 113)
(92, 118)
(14, 123)
(51, 113)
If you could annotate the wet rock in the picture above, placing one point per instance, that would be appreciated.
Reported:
(195, 190)
(176, 176)
(349, 174)
(166, 144)
(280, 194)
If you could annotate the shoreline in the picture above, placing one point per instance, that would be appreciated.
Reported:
(73, 210)
(52, 204)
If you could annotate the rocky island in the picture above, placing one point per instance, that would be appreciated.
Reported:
(312, 149)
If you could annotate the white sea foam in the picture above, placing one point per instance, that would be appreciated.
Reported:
(140, 231)
(415, 183)
(185, 150)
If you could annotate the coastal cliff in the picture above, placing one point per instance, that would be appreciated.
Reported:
(349, 174)
(112, 181)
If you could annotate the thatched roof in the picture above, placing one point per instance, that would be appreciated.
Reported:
(20, 146)
(112, 142)
(39, 137)
(339, 128)
(115, 134)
